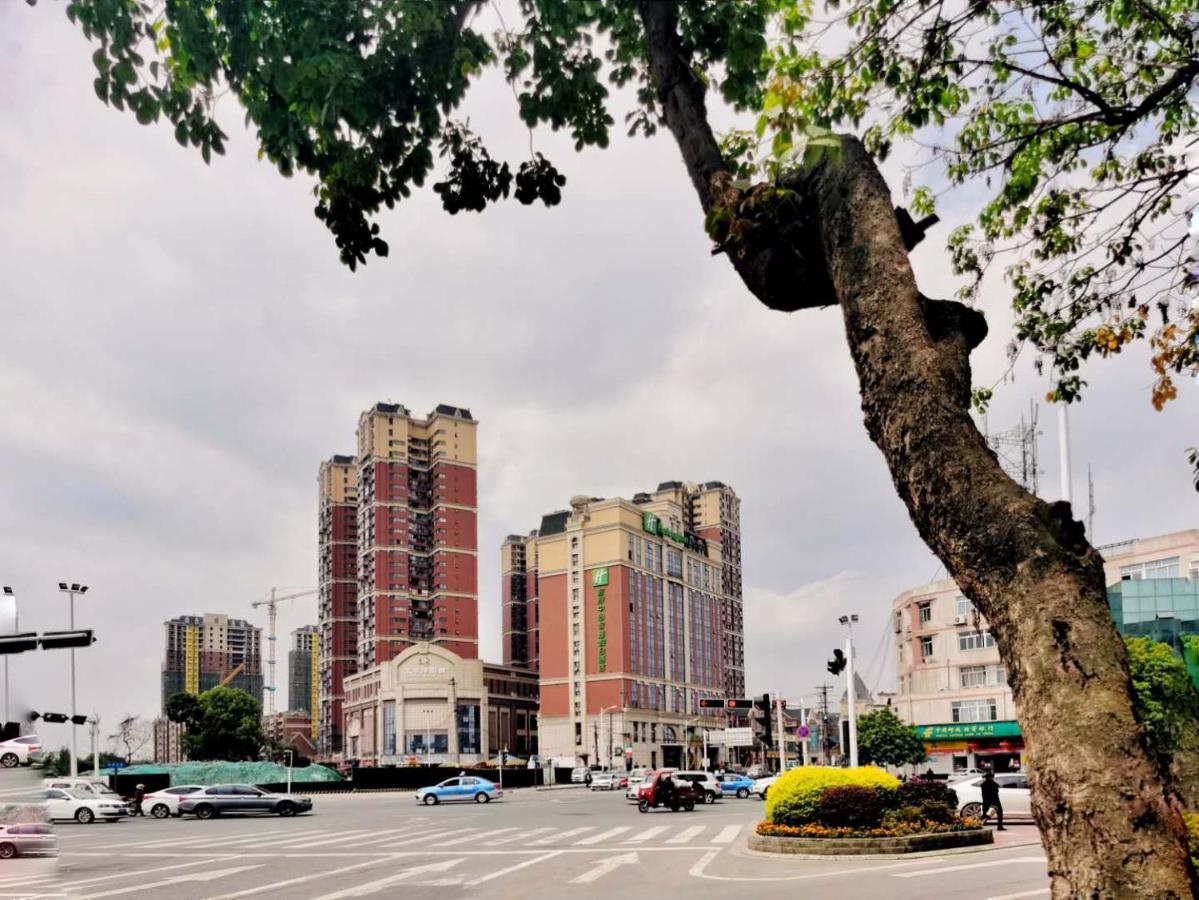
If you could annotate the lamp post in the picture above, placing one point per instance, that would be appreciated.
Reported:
(848, 621)
(15, 630)
(608, 710)
(71, 591)
(291, 755)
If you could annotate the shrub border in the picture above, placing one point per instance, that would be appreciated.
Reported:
(899, 845)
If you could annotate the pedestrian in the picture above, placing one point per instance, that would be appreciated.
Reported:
(139, 794)
(990, 792)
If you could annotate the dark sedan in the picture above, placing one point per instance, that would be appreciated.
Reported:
(241, 798)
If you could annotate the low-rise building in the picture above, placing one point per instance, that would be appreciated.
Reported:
(951, 683)
(428, 704)
(291, 729)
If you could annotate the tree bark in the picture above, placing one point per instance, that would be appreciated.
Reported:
(1110, 825)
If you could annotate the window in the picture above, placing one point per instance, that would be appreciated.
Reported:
(926, 611)
(926, 646)
(962, 606)
(974, 710)
(975, 640)
(1156, 568)
(981, 676)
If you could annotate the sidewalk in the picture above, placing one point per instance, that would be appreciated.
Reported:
(1017, 835)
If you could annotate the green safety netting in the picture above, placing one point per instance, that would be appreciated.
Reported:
(234, 773)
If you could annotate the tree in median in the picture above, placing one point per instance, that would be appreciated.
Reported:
(360, 93)
(1168, 705)
(884, 740)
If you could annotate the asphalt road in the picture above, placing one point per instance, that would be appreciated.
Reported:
(530, 844)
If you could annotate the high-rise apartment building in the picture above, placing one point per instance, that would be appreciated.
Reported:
(632, 626)
(518, 602)
(303, 670)
(203, 652)
(338, 595)
(417, 532)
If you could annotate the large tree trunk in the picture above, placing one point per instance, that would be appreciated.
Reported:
(1110, 825)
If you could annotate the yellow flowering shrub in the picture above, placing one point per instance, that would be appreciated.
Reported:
(794, 798)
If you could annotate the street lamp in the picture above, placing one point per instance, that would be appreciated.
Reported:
(608, 710)
(848, 622)
(71, 590)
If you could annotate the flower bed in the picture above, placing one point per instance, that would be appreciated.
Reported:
(899, 829)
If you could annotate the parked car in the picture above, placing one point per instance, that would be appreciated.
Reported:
(39, 758)
(705, 781)
(762, 785)
(636, 779)
(1014, 795)
(468, 787)
(27, 839)
(84, 809)
(88, 787)
(580, 775)
(164, 803)
(733, 783)
(15, 752)
(757, 771)
(220, 799)
(609, 781)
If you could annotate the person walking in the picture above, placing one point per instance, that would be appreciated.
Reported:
(990, 792)
(139, 794)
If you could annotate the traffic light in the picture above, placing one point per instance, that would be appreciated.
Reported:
(61, 640)
(18, 643)
(711, 703)
(762, 717)
(836, 665)
(54, 718)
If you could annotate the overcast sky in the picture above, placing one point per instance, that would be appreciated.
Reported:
(181, 348)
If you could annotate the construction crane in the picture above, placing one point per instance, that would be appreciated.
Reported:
(272, 606)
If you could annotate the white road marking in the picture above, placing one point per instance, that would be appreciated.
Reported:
(408, 833)
(175, 879)
(728, 834)
(697, 869)
(519, 836)
(323, 841)
(179, 841)
(602, 836)
(206, 860)
(300, 837)
(605, 866)
(982, 865)
(302, 879)
(686, 835)
(1037, 893)
(474, 837)
(413, 839)
(561, 836)
(373, 887)
(647, 834)
(522, 865)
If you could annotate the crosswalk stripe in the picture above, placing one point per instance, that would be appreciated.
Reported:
(685, 835)
(178, 841)
(603, 836)
(298, 838)
(395, 835)
(306, 841)
(541, 842)
(727, 834)
(373, 887)
(647, 834)
(411, 839)
(474, 837)
(519, 836)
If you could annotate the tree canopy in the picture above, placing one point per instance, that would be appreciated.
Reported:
(222, 723)
(1166, 698)
(884, 740)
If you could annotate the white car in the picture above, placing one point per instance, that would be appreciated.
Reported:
(61, 805)
(16, 752)
(636, 779)
(165, 803)
(87, 787)
(762, 785)
(1014, 796)
(580, 775)
(27, 839)
(705, 781)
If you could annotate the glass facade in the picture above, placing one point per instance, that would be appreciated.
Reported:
(469, 737)
(1164, 609)
(389, 728)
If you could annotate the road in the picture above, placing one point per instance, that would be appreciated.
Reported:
(529, 844)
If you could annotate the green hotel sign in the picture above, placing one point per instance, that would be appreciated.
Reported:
(602, 621)
(964, 730)
(599, 577)
(652, 524)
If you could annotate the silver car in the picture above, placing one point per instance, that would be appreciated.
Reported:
(27, 839)
(241, 798)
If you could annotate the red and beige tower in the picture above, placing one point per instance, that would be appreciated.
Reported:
(417, 531)
(337, 654)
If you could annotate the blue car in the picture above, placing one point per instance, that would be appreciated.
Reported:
(732, 783)
(464, 787)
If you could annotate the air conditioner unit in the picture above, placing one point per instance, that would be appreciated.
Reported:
(959, 620)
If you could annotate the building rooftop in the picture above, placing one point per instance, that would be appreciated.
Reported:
(554, 523)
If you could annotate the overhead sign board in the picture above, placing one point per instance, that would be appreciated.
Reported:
(960, 730)
(732, 737)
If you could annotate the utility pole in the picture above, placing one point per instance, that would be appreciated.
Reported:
(851, 694)
(1090, 506)
(782, 735)
(94, 722)
(1063, 447)
(826, 745)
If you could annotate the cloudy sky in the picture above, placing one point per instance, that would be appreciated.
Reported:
(181, 347)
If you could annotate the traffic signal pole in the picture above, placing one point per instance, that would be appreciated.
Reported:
(782, 738)
(853, 715)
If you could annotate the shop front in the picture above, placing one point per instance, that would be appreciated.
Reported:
(961, 746)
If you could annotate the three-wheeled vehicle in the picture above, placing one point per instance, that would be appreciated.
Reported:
(660, 788)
